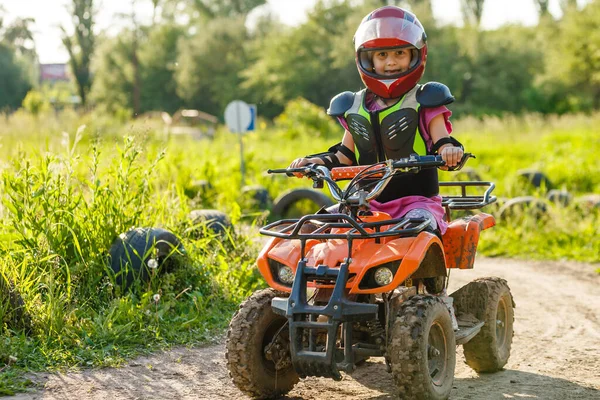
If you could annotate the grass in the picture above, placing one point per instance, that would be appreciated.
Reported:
(67, 196)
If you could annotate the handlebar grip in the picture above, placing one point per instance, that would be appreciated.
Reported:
(340, 173)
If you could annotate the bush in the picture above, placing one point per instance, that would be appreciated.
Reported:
(303, 118)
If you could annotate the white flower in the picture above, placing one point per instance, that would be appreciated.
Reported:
(156, 297)
(152, 263)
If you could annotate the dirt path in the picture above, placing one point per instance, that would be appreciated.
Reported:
(556, 352)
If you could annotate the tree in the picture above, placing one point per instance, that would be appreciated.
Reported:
(14, 83)
(114, 75)
(17, 58)
(210, 63)
(115, 70)
(158, 65)
(542, 6)
(472, 11)
(314, 60)
(225, 8)
(566, 5)
(573, 61)
(19, 36)
(81, 45)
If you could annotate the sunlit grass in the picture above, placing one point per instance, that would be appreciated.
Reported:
(71, 184)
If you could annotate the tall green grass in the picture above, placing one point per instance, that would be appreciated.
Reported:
(67, 196)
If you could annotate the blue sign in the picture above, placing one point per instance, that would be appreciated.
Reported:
(252, 125)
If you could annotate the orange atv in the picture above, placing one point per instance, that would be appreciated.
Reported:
(355, 284)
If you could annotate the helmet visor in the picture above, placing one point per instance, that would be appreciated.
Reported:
(365, 60)
(388, 31)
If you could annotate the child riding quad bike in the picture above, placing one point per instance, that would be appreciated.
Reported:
(355, 284)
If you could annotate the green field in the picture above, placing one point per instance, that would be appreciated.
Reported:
(71, 184)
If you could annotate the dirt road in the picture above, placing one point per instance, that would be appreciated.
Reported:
(555, 355)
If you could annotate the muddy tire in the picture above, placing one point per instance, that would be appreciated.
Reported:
(288, 199)
(250, 332)
(422, 349)
(488, 300)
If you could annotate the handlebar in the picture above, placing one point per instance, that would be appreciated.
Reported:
(384, 171)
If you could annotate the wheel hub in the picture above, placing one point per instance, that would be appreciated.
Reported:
(437, 354)
(278, 351)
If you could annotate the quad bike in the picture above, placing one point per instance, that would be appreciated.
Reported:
(355, 284)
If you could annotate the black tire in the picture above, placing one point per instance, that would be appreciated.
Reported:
(524, 205)
(253, 328)
(12, 306)
(197, 188)
(435, 285)
(536, 178)
(257, 196)
(131, 252)
(488, 300)
(587, 203)
(467, 174)
(422, 349)
(560, 197)
(287, 199)
(213, 220)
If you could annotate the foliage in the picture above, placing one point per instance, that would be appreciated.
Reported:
(81, 45)
(66, 197)
(301, 118)
(158, 63)
(14, 83)
(574, 58)
(303, 61)
(210, 63)
(35, 102)
(115, 73)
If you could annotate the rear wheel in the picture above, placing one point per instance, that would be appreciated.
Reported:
(258, 348)
(422, 349)
(489, 300)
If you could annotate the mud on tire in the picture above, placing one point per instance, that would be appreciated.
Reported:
(251, 330)
(422, 349)
(489, 300)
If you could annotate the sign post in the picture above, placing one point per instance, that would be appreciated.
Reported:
(239, 117)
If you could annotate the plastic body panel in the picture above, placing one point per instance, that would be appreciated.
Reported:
(461, 239)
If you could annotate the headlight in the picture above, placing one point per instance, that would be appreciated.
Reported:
(285, 274)
(383, 276)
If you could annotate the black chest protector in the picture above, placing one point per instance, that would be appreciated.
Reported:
(391, 133)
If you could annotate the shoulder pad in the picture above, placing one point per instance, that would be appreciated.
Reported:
(434, 94)
(340, 104)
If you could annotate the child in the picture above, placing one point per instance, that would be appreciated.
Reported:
(394, 116)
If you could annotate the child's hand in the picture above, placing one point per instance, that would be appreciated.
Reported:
(451, 154)
(300, 162)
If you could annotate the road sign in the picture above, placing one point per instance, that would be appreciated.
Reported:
(238, 116)
(252, 125)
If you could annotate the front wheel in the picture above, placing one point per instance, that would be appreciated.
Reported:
(258, 348)
(422, 349)
(489, 300)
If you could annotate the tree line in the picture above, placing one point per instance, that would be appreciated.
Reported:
(204, 53)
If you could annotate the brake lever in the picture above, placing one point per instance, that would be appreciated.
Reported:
(305, 170)
(462, 162)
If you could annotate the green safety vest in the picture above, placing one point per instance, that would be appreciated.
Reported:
(391, 133)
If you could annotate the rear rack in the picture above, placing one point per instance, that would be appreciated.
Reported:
(468, 202)
(358, 230)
